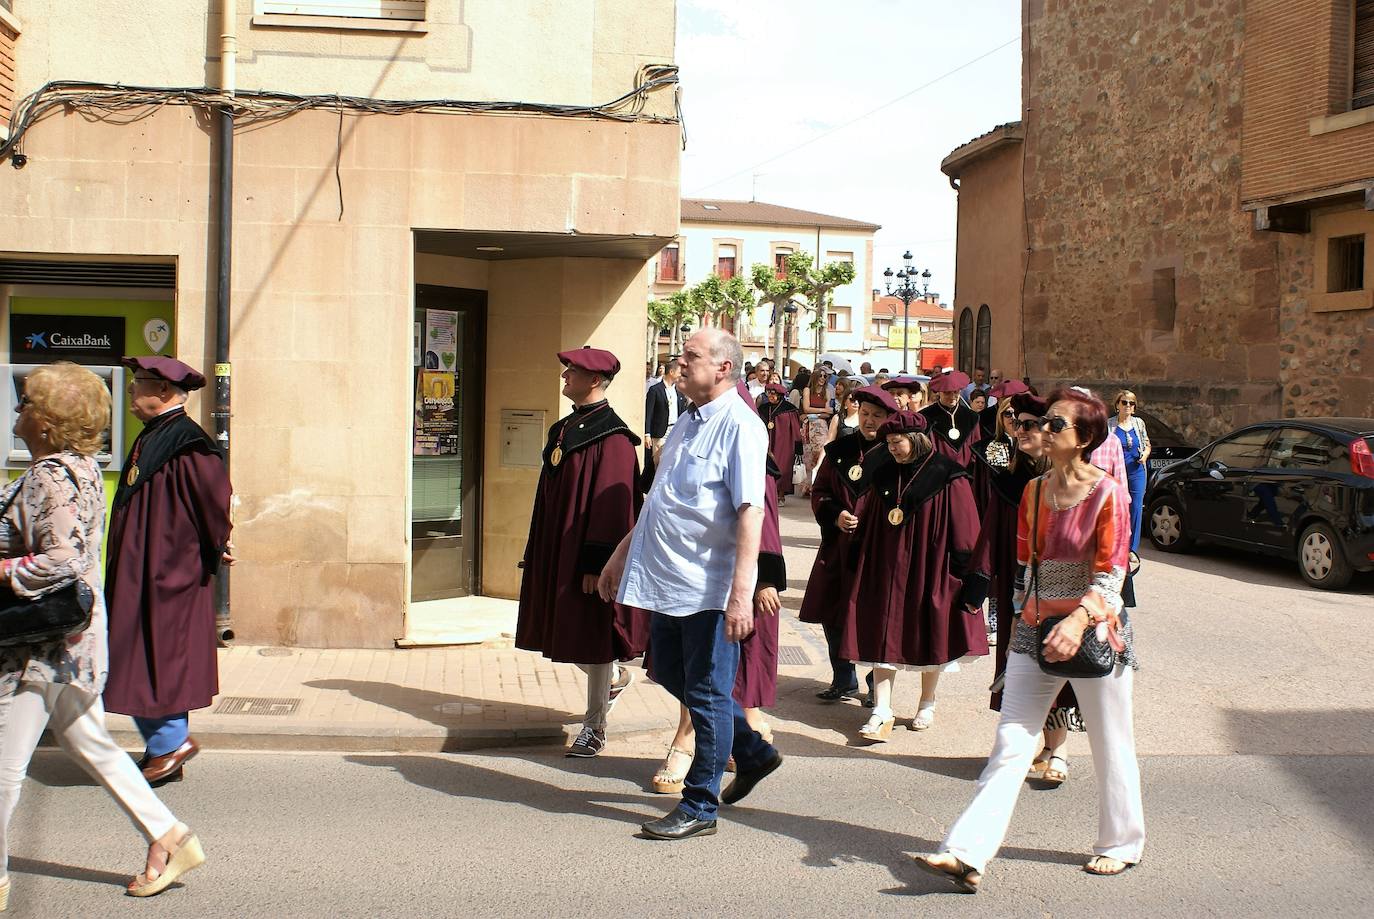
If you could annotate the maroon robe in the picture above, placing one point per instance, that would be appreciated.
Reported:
(827, 589)
(959, 449)
(784, 439)
(167, 536)
(756, 680)
(905, 599)
(583, 507)
(992, 573)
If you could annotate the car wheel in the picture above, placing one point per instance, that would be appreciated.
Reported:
(1168, 529)
(1321, 559)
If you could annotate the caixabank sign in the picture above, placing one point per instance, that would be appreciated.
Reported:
(80, 339)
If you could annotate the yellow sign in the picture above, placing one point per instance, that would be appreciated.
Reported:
(894, 335)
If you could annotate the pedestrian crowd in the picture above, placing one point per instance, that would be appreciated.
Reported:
(935, 503)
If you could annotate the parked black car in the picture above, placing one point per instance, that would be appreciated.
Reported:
(1167, 446)
(1301, 489)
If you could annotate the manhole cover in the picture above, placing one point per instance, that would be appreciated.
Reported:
(793, 656)
(256, 705)
(274, 652)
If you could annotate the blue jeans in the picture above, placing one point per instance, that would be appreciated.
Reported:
(1135, 483)
(163, 735)
(694, 662)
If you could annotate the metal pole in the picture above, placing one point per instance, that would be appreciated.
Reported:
(224, 232)
(906, 326)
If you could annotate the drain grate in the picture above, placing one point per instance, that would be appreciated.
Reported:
(256, 705)
(793, 656)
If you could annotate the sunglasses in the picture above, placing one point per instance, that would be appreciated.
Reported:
(23, 401)
(1009, 413)
(1057, 424)
(1126, 402)
(1029, 424)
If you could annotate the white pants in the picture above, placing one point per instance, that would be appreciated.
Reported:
(77, 720)
(599, 678)
(1106, 705)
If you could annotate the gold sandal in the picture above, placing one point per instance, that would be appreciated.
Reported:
(667, 780)
(187, 855)
(1104, 866)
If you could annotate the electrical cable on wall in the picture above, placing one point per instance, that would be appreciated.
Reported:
(126, 104)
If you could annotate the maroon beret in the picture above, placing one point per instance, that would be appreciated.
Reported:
(170, 369)
(903, 422)
(875, 395)
(1008, 389)
(1029, 403)
(592, 360)
(954, 381)
(903, 382)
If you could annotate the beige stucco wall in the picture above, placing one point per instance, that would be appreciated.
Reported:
(574, 51)
(322, 306)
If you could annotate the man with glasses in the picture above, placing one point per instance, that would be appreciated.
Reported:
(169, 534)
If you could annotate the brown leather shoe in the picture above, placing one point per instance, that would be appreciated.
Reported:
(163, 767)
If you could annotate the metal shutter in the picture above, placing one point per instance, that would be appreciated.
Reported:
(1362, 91)
(363, 9)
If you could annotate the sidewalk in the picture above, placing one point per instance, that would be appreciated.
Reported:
(427, 699)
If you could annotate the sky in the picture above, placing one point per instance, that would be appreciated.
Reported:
(761, 77)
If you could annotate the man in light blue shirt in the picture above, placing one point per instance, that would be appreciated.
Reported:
(692, 559)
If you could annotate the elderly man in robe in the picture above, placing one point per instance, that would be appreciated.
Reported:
(169, 534)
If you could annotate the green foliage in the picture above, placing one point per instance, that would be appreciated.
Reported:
(778, 292)
(818, 286)
(722, 299)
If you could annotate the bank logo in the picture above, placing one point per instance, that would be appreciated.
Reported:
(156, 333)
(36, 340)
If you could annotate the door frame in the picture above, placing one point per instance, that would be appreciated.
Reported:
(472, 303)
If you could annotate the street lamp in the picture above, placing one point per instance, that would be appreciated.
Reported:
(791, 311)
(907, 291)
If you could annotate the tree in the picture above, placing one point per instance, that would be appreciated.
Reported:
(681, 308)
(818, 288)
(725, 299)
(778, 292)
(660, 316)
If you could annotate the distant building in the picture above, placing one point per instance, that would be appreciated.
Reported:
(729, 237)
(1195, 209)
(929, 343)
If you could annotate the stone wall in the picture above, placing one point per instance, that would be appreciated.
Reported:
(1143, 270)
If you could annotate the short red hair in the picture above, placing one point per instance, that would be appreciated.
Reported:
(1089, 414)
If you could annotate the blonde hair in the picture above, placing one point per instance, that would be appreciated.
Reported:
(71, 404)
(1121, 394)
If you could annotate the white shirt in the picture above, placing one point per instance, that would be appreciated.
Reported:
(682, 554)
(755, 389)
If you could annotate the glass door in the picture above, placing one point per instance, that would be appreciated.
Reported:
(446, 378)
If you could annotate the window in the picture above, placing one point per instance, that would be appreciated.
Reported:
(982, 348)
(411, 10)
(727, 260)
(1243, 451)
(965, 355)
(1295, 448)
(839, 319)
(1362, 70)
(670, 263)
(878, 328)
(1345, 264)
(833, 256)
(780, 253)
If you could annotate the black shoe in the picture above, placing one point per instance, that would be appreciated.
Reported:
(746, 779)
(678, 825)
(589, 742)
(835, 694)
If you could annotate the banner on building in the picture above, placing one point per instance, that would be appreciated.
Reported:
(894, 334)
(97, 340)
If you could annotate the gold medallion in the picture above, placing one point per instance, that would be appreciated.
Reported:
(895, 516)
(953, 433)
(132, 475)
(770, 425)
(856, 472)
(556, 456)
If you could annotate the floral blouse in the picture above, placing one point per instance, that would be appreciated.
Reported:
(49, 536)
(1083, 552)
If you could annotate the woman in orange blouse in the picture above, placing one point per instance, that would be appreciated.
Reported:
(1075, 520)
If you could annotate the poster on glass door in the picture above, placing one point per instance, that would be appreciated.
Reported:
(441, 340)
(436, 413)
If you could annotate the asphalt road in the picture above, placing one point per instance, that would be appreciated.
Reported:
(1257, 746)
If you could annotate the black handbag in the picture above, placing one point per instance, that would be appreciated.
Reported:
(55, 615)
(1095, 657)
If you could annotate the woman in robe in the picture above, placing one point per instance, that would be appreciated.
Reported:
(784, 435)
(954, 427)
(911, 551)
